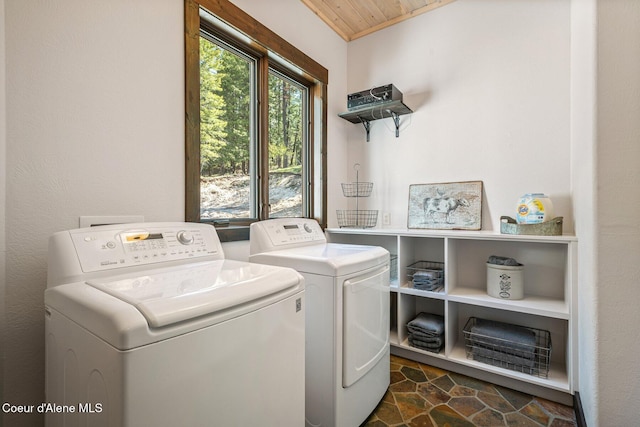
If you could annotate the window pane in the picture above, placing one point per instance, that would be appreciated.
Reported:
(227, 186)
(287, 146)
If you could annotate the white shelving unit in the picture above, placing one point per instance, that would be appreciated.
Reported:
(549, 304)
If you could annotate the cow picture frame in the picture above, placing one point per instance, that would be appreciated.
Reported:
(445, 206)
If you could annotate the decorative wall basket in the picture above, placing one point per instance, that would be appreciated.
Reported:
(357, 189)
(357, 218)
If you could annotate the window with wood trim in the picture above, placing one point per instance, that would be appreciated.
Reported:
(255, 121)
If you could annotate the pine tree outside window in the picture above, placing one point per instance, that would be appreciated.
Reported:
(255, 121)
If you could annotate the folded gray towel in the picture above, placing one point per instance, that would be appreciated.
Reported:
(427, 281)
(431, 288)
(524, 352)
(425, 336)
(427, 323)
(422, 333)
(429, 343)
(501, 260)
(432, 347)
(503, 336)
(427, 275)
(529, 354)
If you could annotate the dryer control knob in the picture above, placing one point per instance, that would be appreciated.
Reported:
(184, 237)
(307, 228)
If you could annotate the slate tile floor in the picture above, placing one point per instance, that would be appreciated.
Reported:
(424, 396)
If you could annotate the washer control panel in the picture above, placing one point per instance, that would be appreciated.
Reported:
(106, 247)
(281, 232)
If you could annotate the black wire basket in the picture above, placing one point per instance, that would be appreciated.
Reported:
(497, 350)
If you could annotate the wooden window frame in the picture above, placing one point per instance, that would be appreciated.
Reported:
(263, 41)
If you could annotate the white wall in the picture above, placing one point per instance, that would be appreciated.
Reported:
(95, 126)
(95, 112)
(617, 202)
(584, 184)
(488, 81)
(605, 158)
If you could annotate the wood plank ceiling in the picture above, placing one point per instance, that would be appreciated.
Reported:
(353, 19)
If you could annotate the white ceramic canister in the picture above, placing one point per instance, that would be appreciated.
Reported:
(534, 208)
(505, 281)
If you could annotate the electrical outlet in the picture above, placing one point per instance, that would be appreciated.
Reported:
(386, 218)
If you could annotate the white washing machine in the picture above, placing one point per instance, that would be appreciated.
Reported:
(148, 325)
(347, 317)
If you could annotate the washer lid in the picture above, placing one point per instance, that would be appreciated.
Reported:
(172, 295)
(329, 259)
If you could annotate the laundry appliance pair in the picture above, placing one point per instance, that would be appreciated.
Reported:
(149, 324)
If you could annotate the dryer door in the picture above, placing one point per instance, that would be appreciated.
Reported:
(365, 323)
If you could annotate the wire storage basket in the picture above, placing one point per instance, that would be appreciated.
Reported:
(427, 275)
(357, 189)
(357, 218)
(508, 346)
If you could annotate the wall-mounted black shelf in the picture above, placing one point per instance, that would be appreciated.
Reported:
(366, 115)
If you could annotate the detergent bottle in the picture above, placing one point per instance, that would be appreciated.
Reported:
(534, 208)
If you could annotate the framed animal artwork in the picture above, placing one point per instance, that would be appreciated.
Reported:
(446, 206)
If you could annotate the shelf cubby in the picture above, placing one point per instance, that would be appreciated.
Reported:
(550, 291)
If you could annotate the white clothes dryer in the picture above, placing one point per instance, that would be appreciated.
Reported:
(148, 325)
(347, 317)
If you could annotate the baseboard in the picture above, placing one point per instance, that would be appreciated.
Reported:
(577, 407)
